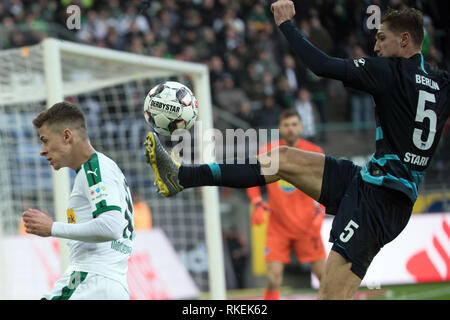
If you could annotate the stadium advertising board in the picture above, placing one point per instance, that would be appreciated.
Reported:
(32, 265)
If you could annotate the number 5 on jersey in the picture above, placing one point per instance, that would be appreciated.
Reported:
(348, 232)
(421, 115)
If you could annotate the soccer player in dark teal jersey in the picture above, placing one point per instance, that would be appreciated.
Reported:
(371, 204)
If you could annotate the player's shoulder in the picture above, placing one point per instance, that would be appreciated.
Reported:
(442, 75)
(105, 160)
(380, 67)
(374, 61)
(99, 167)
(435, 78)
(108, 165)
(417, 66)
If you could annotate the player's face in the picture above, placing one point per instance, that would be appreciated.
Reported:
(290, 129)
(55, 147)
(387, 43)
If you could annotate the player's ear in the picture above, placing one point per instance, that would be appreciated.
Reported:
(68, 135)
(405, 39)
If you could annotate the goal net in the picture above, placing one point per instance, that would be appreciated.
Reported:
(110, 87)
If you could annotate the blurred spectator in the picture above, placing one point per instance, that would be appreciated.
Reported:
(190, 36)
(268, 84)
(165, 25)
(175, 44)
(246, 114)
(18, 39)
(304, 107)
(289, 71)
(269, 113)
(264, 63)
(320, 38)
(187, 54)
(242, 52)
(207, 44)
(230, 97)
(192, 19)
(16, 8)
(130, 19)
(253, 85)
(141, 212)
(284, 94)
(231, 39)
(208, 12)
(132, 32)
(318, 88)
(239, 252)
(216, 69)
(234, 67)
(87, 30)
(160, 50)
(258, 17)
(148, 42)
(136, 45)
(266, 41)
(112, 39)
(230, 27)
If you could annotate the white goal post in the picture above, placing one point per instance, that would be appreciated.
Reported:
(71, 69)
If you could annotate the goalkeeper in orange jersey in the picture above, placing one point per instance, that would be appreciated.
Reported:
(295, 219)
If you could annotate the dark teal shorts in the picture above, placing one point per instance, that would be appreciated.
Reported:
(366, 216)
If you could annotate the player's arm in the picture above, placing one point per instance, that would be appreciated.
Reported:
(315, 59)
(260, 207)
(370, 74)
(254, 194)
(106, 227)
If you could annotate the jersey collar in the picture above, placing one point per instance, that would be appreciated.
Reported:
(419, 57)
(90, 158)
(422, 65)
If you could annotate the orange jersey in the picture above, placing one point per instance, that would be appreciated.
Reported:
(293, 213)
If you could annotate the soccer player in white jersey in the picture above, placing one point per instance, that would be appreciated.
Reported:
(99, 213)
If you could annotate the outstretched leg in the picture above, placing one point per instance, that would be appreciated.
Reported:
(303, 169)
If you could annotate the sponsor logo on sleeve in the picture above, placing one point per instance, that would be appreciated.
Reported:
(98, 192)
(359, 62)
(71, 216)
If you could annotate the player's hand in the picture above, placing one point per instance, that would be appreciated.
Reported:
(259, 213)
(37, 222)
(283, 10)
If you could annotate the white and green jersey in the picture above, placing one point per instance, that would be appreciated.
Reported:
(100, 186)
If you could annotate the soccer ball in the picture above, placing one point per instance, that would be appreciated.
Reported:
(169, 106)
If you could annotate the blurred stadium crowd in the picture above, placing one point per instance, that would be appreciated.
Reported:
(251, 66)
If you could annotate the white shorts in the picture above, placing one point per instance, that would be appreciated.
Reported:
(77, 285)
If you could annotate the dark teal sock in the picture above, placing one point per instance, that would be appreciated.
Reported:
(226, 175)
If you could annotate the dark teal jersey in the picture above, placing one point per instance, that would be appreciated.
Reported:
(412, 104)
